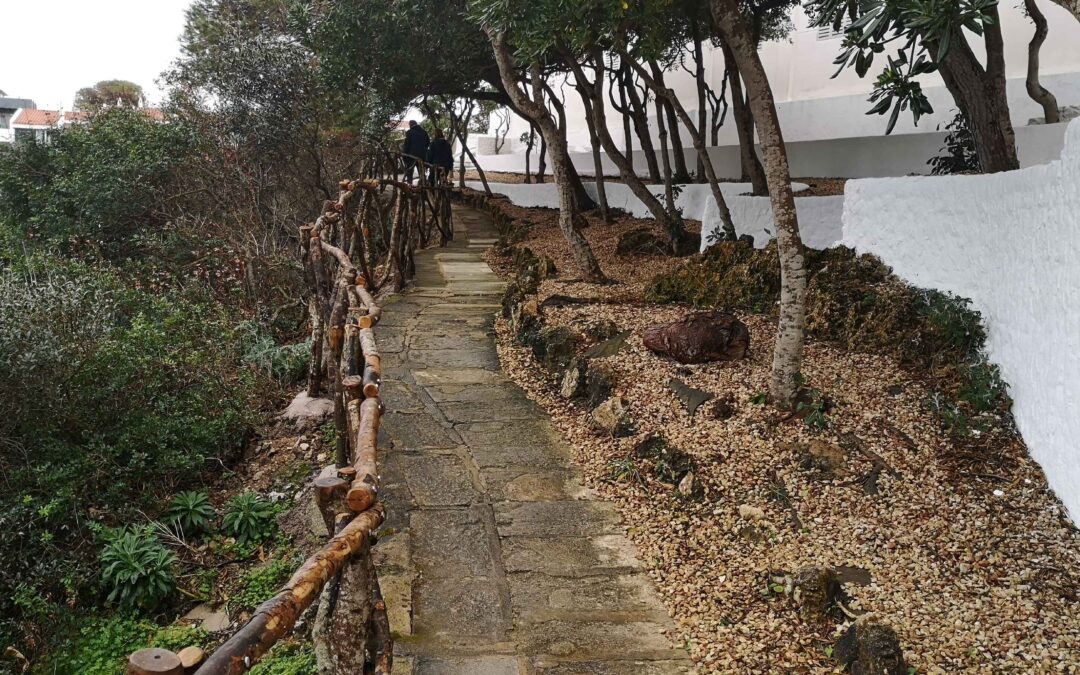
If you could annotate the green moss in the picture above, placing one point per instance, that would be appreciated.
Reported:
(260, 583)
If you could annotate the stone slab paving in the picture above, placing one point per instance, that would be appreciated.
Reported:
(495, 559)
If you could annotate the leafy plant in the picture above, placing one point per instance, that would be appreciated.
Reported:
(261, 583)
(287, 659)
(137, 569)
(249, 518)
(624, 470)
(191, 512)
(813, 407)
(958, 154)
(760, 398)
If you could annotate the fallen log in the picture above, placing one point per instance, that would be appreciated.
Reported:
(278, 615)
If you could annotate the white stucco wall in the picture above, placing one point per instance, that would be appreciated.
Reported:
(1011, 243)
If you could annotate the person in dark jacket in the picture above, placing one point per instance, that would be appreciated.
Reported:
(415, 147)
(440, 156)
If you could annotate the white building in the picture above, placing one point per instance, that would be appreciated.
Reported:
(824, 118)
(9, 107)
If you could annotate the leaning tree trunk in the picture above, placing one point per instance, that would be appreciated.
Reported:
(697, 135)
(598, 165)
(787, 354)
(702, 102)
(581, 196)
(980, 95)
(1073, 6)
(752, 171)
(661, 128)
(682, 173)
(592, 93)
(640, 117)
(535, 110)
(1035, 90)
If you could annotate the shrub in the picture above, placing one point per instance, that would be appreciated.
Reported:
(109, 399)
(855, 301)
(137, 569)
(249, 518)
(191, 512)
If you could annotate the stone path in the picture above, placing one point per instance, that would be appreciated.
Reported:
(496, 560)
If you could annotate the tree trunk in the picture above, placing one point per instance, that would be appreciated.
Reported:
(752, 171)
(581, 196)
(682, 173)
(598, 166)
(541, 159)
(535, 110)
(528, 152)
(698, 138)
(980, 95)
(787, 354)
(592, 93)
(1035, 90)
(661, 129)
(1072, 5)
(639, 115)
(703, 105)
(622, 108)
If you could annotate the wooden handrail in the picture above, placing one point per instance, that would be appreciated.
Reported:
(344, 313)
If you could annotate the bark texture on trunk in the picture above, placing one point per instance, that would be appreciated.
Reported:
(1072, 5)
(702, 102)
(787, 354)
(535, 110)
(582, 198)
(752, 171)
(1035, 90)
(640, 117)
(598, 165)
(682, 173)
(980, 94)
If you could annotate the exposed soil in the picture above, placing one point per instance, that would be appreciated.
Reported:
(969, 558)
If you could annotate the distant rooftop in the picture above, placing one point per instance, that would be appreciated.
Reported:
(10, 103)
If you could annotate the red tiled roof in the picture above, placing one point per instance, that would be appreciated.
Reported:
(36, 117)
(155, 114)
(76, 116)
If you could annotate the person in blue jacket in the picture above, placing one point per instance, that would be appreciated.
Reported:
(440, 156)
(414, 148)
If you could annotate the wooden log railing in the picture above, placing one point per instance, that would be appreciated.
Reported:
(345, 362)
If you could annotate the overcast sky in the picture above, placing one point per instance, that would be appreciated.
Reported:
(51, 49)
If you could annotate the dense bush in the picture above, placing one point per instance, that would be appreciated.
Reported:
(249, 518)
(856, 301)
(137, 569)
(101, 182)
(110, 399)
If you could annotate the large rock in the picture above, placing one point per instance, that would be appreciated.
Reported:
(599, 383)
(612, 417)
(642, 240)
(554, 347)
(869, 647)
(700, 337)
(573, 380)
(817, 590)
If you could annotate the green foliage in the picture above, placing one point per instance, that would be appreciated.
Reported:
(924, 30)
(101, 645)
(958, 154)
(191, 512)
(108, 93)
(625, 470)
(249, 518)
(110, 399)
(261, 583)
(287, 658)
(137, 569)
(857, 302)
(285, 363)
(97, 185)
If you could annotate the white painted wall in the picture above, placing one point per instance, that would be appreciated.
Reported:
(814, 106)
(1011, 243)
(852, 157)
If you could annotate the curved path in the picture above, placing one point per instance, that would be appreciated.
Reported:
(498, 561)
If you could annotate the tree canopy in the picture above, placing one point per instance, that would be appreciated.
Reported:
(108, 93)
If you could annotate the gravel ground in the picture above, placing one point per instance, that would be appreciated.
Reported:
(971, 560)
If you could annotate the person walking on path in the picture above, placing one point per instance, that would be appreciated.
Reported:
(415, 147)
(440, 156)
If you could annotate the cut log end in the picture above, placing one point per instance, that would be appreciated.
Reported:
(154, 662)
(360, 498)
